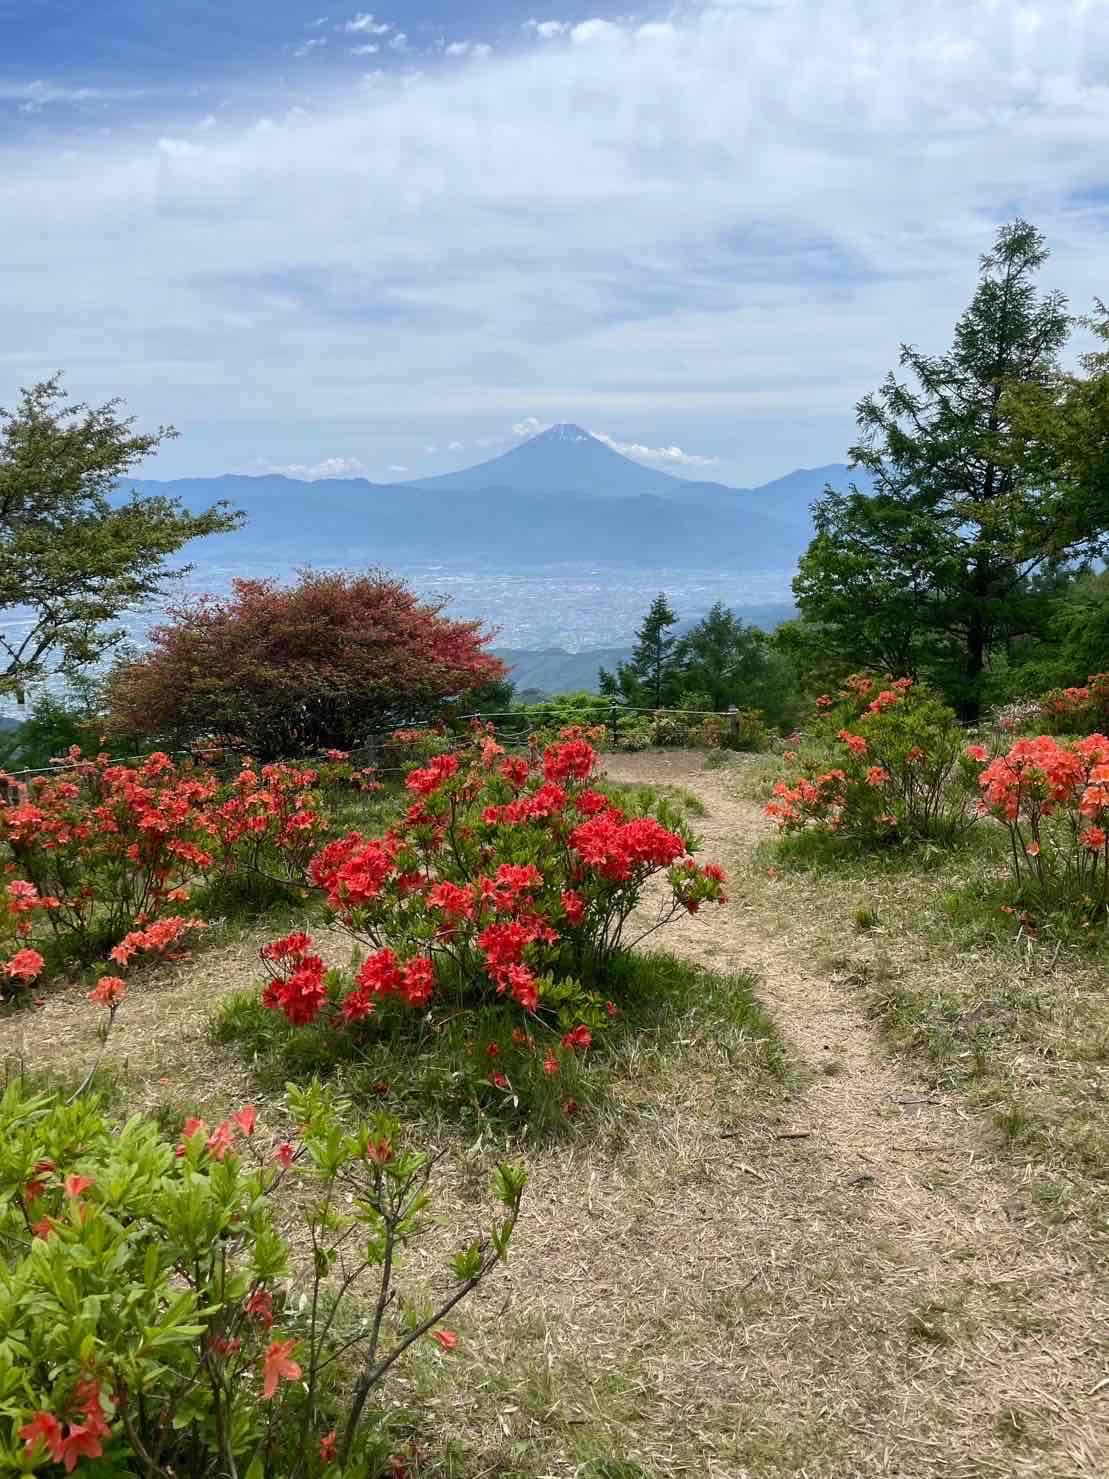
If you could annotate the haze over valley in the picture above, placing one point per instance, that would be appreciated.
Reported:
(559, 542)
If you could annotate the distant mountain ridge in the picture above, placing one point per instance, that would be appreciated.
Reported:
(560, 496)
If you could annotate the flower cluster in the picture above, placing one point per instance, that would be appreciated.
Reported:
(1053, 798)
(99, 853)
(508, 878)
(1073, 710)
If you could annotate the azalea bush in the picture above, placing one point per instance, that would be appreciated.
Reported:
(509, 880)
(99, 849)
(229, 1305)
(892, 767)
(1077, 710)
(1053, 799)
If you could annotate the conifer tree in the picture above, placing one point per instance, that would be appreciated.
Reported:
(647, 681)
(936, 571)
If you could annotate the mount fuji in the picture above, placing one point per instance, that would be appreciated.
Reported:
(563, 459)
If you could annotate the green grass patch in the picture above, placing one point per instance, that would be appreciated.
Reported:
(438, 1066)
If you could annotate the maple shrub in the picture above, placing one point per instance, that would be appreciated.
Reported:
(509, 881)
(283, 672)
(891, 766)
(100, 850)
(157, 1317)
(1052, 797)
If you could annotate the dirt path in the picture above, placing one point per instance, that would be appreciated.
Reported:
(1019, 1330)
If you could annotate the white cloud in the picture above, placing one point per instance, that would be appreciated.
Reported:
(666, 456)
(327, 467)
(178, 148)
(399, 42)
(594, 30)
(658, 31)
(366, 49)
(366, 25)
(307, 47)
(208, 121)
(397, 467)
(38, 94)
(431, 449)
(479, 49)
(530, 426)
(321, 20)
(454, 446)
(547, 30)
(714, 235)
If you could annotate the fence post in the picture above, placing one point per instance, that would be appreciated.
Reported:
(614, 720)
(733, 721)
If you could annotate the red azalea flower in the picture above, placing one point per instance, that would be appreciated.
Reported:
(259, 1306)
(108, 991)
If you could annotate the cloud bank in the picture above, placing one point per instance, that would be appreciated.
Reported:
(703, 230)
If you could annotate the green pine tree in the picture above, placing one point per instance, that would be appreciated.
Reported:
(933, 574)
(649, 679)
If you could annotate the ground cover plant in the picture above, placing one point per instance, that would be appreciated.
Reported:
(154, 1318)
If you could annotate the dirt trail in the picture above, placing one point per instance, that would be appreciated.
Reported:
(946, 1212)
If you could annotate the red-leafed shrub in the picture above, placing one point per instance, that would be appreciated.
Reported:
(507, 878)
(281, 672)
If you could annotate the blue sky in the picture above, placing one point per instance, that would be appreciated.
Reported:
(394, 242)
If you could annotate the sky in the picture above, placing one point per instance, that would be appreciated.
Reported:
(330, 241)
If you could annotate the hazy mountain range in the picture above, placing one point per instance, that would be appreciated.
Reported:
(560, 543)
(561, 496)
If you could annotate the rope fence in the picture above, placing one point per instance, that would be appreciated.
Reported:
(527, 720)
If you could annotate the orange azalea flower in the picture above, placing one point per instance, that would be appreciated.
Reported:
(278, 1366)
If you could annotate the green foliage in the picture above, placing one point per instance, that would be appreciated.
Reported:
(933, 574)
(720, 662)
(647, 681)
(891, 767)
(730, 663)
(77, 559)
(153, 1318)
